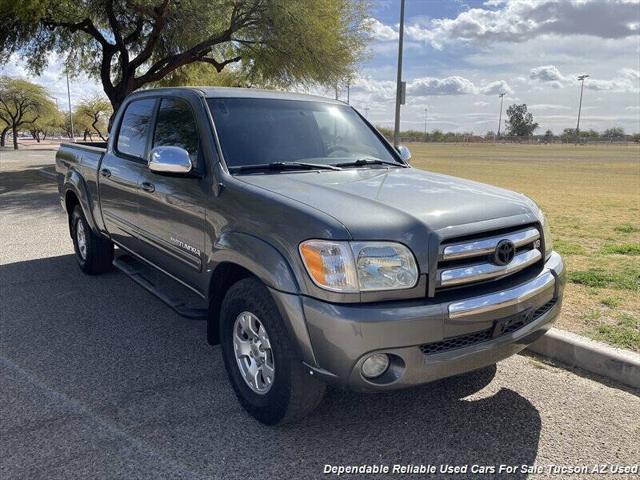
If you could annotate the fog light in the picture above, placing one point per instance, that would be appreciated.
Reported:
(375, 365)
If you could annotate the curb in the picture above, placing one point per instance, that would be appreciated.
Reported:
(573, 350)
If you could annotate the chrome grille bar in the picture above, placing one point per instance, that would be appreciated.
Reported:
(506, 298)
(485, 271)
(485, 246)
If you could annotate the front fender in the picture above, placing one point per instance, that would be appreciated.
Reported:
(257, 256)
(265, 262)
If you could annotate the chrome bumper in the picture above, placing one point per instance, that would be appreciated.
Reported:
(342, 335)
(496, 301)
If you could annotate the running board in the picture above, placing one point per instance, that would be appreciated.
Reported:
(185, 302)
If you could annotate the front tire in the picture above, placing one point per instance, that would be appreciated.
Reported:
(93, 253)
(262, 364)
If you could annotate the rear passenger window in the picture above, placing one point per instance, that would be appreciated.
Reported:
(176, 126)
(132, 138)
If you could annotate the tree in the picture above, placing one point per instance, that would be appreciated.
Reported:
(128, 44)
(49, 122)
(548, 136)
(520, 122)
(21, 104)
(568, 135)
(4, 129)
(615, 133)
(97, 111)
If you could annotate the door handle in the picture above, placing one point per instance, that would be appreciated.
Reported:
(148, 187)
(105, 172)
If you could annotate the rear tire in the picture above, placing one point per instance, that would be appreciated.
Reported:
(289, 392)
(93, 252)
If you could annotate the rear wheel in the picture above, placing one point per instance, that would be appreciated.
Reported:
(93, 253)
(264, 369)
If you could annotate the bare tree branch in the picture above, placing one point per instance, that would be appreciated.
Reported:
(219, 66)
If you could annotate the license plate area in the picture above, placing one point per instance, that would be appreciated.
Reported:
(511, 323)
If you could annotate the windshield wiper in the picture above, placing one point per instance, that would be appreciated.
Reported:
(279, 166)
(368, 161)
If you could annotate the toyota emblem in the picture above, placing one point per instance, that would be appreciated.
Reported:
(505, 251)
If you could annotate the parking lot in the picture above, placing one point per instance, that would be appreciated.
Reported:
(101, 379)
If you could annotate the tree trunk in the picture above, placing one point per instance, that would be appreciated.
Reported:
(95, 122)
(3, 136)
(14, 130)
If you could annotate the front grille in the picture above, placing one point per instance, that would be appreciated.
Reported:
(469, 339)
(468, 261)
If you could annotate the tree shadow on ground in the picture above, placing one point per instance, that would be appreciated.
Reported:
(28, 190)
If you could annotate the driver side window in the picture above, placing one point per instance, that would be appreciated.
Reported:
(176, 126)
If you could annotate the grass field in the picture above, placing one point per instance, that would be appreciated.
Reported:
(591, 196)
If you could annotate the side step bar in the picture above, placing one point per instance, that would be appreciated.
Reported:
(185, 302)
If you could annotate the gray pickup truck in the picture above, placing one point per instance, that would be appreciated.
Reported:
(314, 251)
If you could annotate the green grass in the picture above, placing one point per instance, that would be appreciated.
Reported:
(591, 316)
(624, 334)
(627, 228)
(624, 249)
(598, 278)
(611, 302)
(568, 248)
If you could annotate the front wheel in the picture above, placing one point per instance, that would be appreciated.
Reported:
(93, 253)
(266, 373)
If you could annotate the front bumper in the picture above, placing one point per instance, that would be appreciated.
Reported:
(340, 335)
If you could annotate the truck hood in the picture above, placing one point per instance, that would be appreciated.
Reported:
(370, 199)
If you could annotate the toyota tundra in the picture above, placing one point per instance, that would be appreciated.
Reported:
(313, 250)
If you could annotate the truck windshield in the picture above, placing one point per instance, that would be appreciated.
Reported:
(256, 131)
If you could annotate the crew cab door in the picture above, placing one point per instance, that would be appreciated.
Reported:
(120, 170)
(171, 207)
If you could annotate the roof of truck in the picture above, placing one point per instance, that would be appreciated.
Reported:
(232, 92)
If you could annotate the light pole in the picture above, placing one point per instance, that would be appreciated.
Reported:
(500, 117)
(581, 80)
(425, 123)
(396, 130)
(73, 136)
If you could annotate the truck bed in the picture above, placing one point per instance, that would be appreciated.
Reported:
(83, 161)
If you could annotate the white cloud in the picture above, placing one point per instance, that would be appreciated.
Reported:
(551, 75)
(521, 20)
(547, 73)
(380, 31)
(631, 74)
(495, 88)
(549, 106)
(480, 104)
(454, 85)
(633, 108)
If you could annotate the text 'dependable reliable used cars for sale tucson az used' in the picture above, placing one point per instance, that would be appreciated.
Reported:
(313, 250)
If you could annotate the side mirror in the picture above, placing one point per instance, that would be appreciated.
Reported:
(405, 153)
(170, 160)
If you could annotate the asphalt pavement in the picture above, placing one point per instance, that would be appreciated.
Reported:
(102, 380)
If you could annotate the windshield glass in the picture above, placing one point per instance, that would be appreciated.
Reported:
(256, 131)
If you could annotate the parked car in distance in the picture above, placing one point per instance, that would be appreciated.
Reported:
(316, 254)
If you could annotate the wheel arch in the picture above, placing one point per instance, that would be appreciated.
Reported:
(240, 255)
(75, 193)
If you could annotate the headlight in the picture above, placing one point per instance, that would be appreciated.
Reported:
(546, 232)
(359, 266)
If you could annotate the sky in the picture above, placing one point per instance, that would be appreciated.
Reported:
(460, 54)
